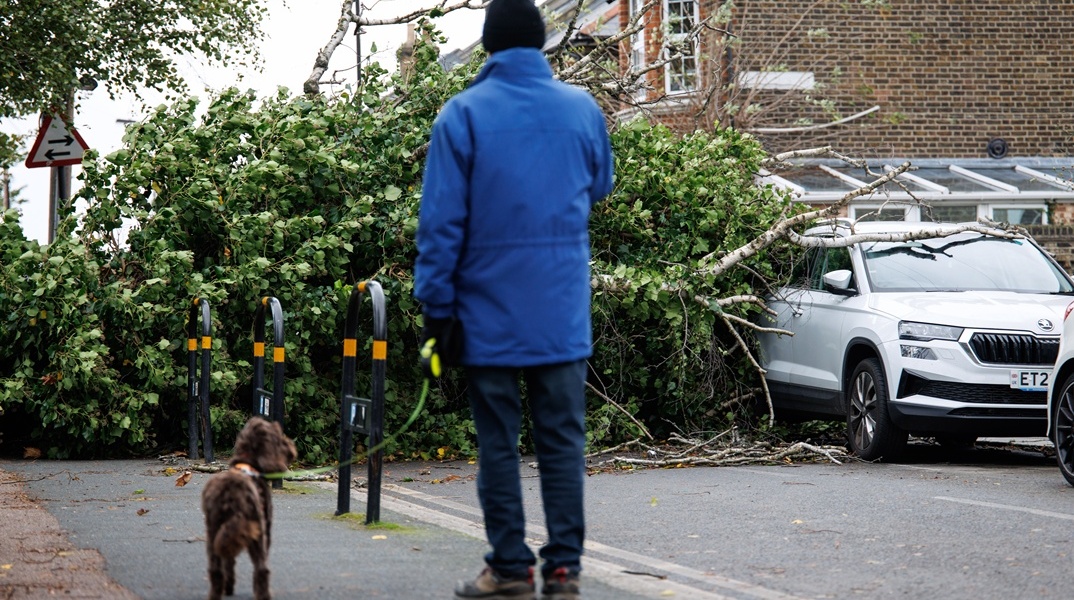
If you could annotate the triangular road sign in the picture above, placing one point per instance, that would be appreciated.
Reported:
(56, 145)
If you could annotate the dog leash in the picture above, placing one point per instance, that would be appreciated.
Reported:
(361, 456)
(431, 365)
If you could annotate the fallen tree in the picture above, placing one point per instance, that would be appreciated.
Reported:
(300, 198)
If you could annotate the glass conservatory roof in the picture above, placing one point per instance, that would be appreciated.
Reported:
(1011, 180)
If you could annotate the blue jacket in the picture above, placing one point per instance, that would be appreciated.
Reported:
(515, 163)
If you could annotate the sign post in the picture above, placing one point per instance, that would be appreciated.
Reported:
(56, 146)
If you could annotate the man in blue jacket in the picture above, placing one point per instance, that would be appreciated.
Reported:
(515, 163)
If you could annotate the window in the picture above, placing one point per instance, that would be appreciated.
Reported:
(876, 213)
(808, 273)
(681, 74)
(835, 259)
(936, 190)
(802, 269)
(961, 262)
(1019, 216)
(942, 213)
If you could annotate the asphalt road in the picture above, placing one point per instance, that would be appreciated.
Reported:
(985, 523)
(978, 524)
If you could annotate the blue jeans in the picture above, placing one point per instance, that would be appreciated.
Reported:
(557, 403)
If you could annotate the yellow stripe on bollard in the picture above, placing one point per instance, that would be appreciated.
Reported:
(380, 349)
(350, 347)
(277, 354)
(206, 342)
(191, 344)
(259, 349)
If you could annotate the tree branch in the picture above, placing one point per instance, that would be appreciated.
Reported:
(607, 399)
(312, 85)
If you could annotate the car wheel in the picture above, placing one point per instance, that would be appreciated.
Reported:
(1063, 426)
(872, 434)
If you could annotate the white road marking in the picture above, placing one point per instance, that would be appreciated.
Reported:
(613, 574)
(1032, 511)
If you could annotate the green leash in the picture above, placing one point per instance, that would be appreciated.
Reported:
(317, 471)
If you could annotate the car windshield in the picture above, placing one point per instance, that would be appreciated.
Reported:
(962, 262)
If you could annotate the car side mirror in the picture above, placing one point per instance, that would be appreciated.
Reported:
(838, 282)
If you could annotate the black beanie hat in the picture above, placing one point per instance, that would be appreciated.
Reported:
(512, 24)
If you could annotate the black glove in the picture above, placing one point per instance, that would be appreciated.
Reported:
(441, 345)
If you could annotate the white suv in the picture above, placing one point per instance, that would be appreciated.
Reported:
(950, 337)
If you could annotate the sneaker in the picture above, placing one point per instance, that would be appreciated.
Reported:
(561, 584)
(490, 585)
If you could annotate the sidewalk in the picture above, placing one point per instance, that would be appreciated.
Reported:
(36, 557)
(132, 533)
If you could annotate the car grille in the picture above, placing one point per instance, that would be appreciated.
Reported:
(1017, 413)
(980, 393)
(1014, 349)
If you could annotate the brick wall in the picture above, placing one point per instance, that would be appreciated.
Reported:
(1057, 239)
(948, 76)
(1061, 213)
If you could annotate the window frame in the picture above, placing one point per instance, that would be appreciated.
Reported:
(670, 75)
(912, 213)
(1043, 208)
(857, 211)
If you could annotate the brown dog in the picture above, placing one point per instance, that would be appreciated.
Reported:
(238, 506)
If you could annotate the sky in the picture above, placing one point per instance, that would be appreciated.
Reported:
(295, 31)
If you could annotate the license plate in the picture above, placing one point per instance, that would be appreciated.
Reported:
(1030, 381)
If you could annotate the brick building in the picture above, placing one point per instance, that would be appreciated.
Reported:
(947, 77)
(979, 94)
(976, 94)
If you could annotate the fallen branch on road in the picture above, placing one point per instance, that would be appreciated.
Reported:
(723, 449)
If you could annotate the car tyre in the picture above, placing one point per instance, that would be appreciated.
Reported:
(1063, 426)
(872, 434)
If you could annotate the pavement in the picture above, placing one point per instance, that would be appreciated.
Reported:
(37, 558)
(125, 529)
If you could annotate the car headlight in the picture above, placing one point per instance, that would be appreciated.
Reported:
(909, 330)
(919, 352)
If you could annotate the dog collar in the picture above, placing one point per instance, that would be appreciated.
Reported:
(246, 469)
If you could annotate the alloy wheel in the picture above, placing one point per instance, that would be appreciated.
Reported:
(1064, 431)
(862, 404)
